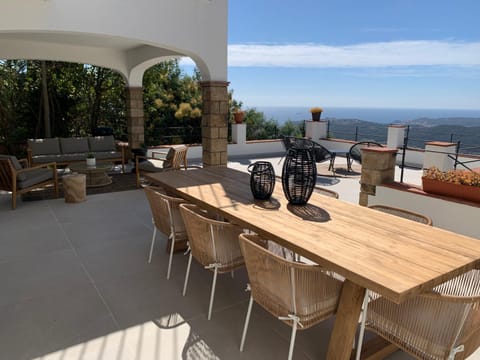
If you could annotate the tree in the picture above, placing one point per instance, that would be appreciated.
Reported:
(173, 105)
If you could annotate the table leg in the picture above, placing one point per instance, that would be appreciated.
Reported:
(349, 163)
(346, 322)
(331, 167)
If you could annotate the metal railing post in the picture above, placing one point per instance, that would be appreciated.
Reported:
(405, 145)
(457, 150)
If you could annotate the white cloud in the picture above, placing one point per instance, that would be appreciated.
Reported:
(382, 54)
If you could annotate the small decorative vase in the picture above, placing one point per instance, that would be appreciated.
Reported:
(238, 117)
(91, 161)
(316, 116)
(299, 174)
(262, 179)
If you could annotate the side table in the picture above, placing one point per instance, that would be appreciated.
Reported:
(74, 188)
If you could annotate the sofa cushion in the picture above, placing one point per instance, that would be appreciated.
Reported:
(34, 177)
(42, 159)
(114, 155)
(13, 159)
(152, 165)
(73, 157)
(101, 143)
(44, 146)
(16, 165)
(74, 145)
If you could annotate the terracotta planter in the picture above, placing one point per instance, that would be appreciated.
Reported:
(316, 116)
(464, 192)
(238, 117)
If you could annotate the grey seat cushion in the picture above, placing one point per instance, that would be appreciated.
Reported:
(152, 165)
(72, 157)
(16, 165)
(102, 155)
(43, 159)
(35, 176)
(74, 145)
(44, 146)
(101, 143)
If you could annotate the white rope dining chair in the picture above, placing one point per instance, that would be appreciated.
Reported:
(300, 295)
(167, 219)
(213, 243)
(440, 324)
(406, 214)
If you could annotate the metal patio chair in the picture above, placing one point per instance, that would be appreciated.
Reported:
(355, 150)
(288, 142)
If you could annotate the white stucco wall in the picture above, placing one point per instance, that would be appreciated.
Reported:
(128, 36)
(450, 215)
(274, 147)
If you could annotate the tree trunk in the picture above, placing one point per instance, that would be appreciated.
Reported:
(45, 101)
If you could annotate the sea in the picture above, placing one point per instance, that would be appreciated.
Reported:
(379, 115)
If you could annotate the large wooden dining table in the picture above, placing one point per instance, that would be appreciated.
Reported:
(392, 256)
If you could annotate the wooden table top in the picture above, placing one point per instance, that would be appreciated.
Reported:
(393, 256)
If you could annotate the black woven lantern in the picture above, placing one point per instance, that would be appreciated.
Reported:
(262, 179)
(299, 174)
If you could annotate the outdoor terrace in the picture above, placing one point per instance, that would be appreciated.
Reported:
(76, 285)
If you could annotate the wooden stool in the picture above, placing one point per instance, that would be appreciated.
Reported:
(74, 188)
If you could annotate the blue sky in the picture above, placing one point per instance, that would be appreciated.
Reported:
(352, 53)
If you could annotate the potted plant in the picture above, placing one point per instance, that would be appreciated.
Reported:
(462, 184)
(238, 116)
(91, 159)
(316, 113)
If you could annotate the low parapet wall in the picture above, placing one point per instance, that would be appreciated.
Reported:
(447, 213)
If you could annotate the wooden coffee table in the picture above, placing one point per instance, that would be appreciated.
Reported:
(96, 175)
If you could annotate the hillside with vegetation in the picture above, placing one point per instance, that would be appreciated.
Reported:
(420, 131)
(55, 99)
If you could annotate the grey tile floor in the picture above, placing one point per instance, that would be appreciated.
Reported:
(75, 285)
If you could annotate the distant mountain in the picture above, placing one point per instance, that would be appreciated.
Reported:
(429, 122)
(465, 130)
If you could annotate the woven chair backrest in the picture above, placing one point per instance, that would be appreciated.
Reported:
(212, 241)
(284, 287)
(433, 322)
(326, 192)
(165, 211)
(403, 213)
(320, 153)
(356, 149)
(179, 157)
(6, 171)
(288, 141)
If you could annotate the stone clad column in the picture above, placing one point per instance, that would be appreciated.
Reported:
(378, 167)
(135, 117)
(214, 122)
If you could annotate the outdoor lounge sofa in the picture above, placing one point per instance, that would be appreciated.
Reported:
(65, 151)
